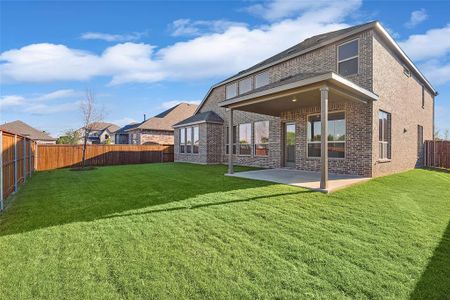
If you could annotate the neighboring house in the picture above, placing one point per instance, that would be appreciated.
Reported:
(380, 109)
(122, 136)
(159, 130)
(19, 127)
(101, 133)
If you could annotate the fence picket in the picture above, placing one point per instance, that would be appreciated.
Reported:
(437, 154)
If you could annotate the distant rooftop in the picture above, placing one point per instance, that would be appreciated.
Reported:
(22, 128)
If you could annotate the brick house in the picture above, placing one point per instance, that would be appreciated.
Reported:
(158, 129)
(377, 106)
(22, 128)
(101, 133)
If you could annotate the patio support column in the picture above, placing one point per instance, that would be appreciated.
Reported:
(324, 137)
(230, 142)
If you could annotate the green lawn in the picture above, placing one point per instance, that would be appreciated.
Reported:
(178, 231)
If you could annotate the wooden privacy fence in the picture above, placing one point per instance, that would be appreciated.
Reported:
(17, 162)
(437, 154)
(63, 156)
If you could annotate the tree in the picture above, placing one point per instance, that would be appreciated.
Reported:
(70, 137)
(91, 114)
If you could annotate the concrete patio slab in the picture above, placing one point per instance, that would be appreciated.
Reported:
(304, 179)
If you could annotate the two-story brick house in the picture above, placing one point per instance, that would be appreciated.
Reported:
(379, 108)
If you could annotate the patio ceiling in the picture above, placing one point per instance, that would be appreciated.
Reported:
(274, 100)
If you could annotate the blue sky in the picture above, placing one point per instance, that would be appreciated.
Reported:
(142, 57)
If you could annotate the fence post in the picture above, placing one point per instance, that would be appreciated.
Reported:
(15, 163)
(1, 170)
(29, 157)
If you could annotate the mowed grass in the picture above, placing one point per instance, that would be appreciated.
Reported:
(179, 231)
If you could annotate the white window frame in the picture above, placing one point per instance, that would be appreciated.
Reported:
(258, 74)
(254, 137)
(193, 140)
(384, 143)
(319, 142)
(235, 88)
(239, 140)
(182, 133)
(349, 58)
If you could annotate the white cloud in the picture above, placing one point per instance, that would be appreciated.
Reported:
(316, 10)
(170, 104)
(417, 17)
(134, 36)
(205, 56)
(436, 71)
(187, 27)
(59, 94)
(47, 109)
(432, 44)
(11, 100)
(123, 121)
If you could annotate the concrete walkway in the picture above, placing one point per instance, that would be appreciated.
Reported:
(305, 179)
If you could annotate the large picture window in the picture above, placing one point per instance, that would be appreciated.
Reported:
(336, 135)
(182, 140)
(227, 145)
(189, 140)
(348, 58)
(196, 136)
(262, 138)
(245, 139)
(384, 134)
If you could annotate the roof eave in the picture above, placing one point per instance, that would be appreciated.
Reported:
(331, 77)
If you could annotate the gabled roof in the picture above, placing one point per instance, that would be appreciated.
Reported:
(100, 126)
(319, 41)
(165, 120)
(204, 117)
(19, 127)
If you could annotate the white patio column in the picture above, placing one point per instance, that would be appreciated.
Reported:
(324, 137)
(230, 142)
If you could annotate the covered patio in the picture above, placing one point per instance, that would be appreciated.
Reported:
(290, 94)
(305, 179)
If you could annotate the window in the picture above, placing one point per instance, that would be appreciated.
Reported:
(245, 138)
(189, 140)
(419, 141)
(182, 140)
(406, 71)
(245, 85)
(336, 135)
(231, 90)
(196, 139)
(384, 134)
(348, 58)
(261, 79)
(262, 138)
(423, 96)
(227, 145)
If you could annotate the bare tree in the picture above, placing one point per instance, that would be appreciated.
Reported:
(91, 114)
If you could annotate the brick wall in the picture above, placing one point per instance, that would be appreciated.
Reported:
(401, 96)
(156, 137)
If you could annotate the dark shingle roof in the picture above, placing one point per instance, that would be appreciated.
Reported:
(308, 43)
(19, 127)
(287, 80)
(207, 116)
(127, 127)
